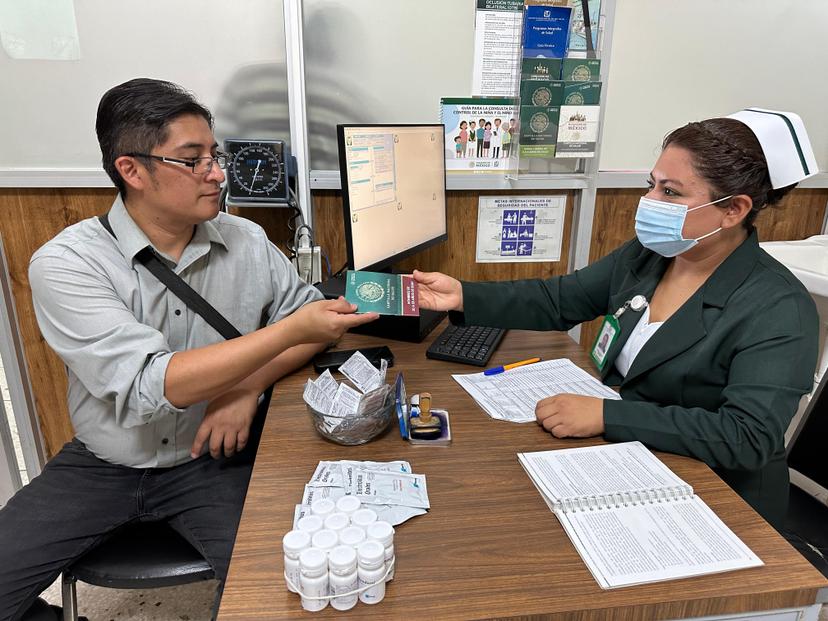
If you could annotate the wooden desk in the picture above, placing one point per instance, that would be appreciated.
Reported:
(489, 547)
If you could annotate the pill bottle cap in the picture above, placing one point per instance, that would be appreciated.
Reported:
(323, 507)
(337, 521)
(371, 554)
(310, 523)
(325, 539)
(382, 532)
(351, 536)
(295, 541)
(342, 558)
(363, 517)
(313, 560)
(348, 504)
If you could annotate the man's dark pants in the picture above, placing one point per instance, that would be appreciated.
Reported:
(79, 499)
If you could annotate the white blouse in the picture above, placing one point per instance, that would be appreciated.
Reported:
(640, 335)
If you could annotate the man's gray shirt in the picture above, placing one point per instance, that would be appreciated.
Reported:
(116, 326)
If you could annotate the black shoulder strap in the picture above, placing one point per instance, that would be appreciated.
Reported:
(181, 289)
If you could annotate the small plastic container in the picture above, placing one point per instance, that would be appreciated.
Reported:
(383, 532)
(325, 540)
(363, 518)
(371, 571)
(337, 521)
(313, 564)
(323, 507)
(292, 544)
(343, 577)
(310, 524)
(348, 504)
(352, 536)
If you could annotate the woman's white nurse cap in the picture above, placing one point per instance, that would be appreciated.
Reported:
(784, 142)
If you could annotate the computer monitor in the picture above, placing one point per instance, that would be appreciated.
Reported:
(394, 205)
(393, 191)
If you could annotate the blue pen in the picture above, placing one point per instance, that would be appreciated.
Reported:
(506, 367)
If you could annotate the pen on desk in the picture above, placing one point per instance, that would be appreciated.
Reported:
(506, 367)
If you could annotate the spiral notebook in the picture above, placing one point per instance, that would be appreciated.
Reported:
(631, 519)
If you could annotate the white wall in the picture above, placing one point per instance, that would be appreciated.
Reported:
(222, 51)
(391, 60)
(675, 61)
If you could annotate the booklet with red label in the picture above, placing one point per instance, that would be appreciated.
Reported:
(386, 294)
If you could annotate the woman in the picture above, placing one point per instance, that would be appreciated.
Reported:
(714, 363)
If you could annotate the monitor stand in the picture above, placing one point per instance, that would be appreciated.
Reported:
(410, 329)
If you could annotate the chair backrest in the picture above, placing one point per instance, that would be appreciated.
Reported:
(806, 450)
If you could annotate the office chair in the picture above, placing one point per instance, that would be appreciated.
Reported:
(805, 527)
(140, 555)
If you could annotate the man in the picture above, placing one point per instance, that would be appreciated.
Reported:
(152, 387)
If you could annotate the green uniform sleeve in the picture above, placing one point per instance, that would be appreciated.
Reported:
(557, 303)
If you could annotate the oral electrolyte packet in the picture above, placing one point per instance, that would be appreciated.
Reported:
(387, 487)
(390, 488)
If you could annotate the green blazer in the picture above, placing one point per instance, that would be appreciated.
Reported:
(719, 381)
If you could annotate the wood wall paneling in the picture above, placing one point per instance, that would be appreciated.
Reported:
(28, 219)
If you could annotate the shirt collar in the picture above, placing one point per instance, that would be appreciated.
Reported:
(131, 239)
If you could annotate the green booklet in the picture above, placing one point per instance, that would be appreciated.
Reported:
(386, 294)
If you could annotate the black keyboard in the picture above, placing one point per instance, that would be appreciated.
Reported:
(466, 344)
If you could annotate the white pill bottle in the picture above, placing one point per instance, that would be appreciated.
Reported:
(342, 564)
(371, 570)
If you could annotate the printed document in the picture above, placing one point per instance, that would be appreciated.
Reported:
(631, 519)
(513, 394)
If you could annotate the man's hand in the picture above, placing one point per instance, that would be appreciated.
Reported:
(438, 291)
(571, 416)
(226, 424)
(326, 320)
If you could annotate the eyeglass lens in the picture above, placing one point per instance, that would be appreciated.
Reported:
(204, 165)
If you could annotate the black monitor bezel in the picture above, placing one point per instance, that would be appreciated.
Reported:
(346, 203)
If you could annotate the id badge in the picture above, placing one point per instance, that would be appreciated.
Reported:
(606, 337)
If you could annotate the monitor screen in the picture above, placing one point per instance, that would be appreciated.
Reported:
(393, 191)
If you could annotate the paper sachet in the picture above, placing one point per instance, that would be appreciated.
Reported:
(392, 488)
(361, 372)
(333, 473)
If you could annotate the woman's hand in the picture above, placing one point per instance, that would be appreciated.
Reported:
(439, 292)
(326, 320)
(571, 416)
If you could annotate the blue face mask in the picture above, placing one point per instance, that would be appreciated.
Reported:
(658, 226)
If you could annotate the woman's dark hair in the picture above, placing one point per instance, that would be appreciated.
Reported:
(134, 117)
(727, 154)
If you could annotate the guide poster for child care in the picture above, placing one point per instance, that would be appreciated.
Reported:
(480, 133)
(520, 228)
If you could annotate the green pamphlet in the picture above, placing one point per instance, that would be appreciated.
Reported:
(538, 131)
(386, 294)
(581, 70)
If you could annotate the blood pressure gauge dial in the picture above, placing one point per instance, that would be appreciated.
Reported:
(256, 172)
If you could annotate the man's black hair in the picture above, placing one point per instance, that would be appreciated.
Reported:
(134, 117)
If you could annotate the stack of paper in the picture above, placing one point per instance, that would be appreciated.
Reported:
(513, 394)
(339, 401)
(389, 488)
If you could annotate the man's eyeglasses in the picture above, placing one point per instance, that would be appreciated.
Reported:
(199, 165)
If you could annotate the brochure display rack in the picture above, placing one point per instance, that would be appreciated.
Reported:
(559, 88)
